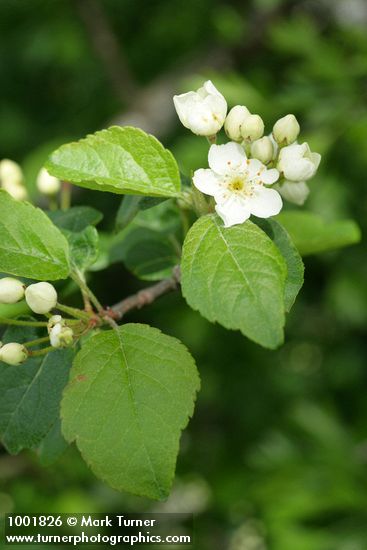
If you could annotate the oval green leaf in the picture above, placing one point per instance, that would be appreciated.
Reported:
(118, 160)
(235, 276)
(131, 392)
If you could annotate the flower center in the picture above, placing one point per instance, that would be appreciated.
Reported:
(237, 184)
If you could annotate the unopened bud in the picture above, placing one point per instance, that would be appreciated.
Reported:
(252, 128)
(16, 190)
(11, 290)
(234, 121)
(61, 336)
(10, 172)
(286, 130)
(41, 297)
(13, 354)
(47, 184)
(262, 149)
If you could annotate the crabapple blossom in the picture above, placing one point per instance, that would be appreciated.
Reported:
(262, 149)
(11, 290)
(238, 185)
(204, 111)
(233, 123)
(13, 354)
(286, 130)
(41, 297)
(293, 191)
(47, 184)
(297, 162)
(61, 336)
(10, 172)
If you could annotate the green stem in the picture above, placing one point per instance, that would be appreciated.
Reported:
(65, 195)
(36, 342)
(184, 215)
(80, 281)
(4, 321)
(74, 312)
(43, 351)
(52, 203)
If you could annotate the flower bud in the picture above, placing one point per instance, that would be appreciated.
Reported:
(47, 184)
(16, 190)
(203, 112)
(11, 290)
(252, 128)
(262, 149)
(13, 354)
(293, 191)
(10, 172)
(61, 336)
(286, 130)
(54, 320)
(297, 162)
(233, 123)
(41, 297)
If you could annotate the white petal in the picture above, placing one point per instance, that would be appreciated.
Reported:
(206, 181)
(210, 88)
(254, 167)
(269, 176)
(233, 211)
(295, 192)
(225, 158)
(316, 159)
(300, 170)
(265, 202)
(203, 121)
(183, 103)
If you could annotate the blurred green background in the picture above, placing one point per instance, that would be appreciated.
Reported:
(275, 456)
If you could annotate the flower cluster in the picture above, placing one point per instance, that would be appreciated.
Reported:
(40, 298)
(241, 171)
(12, 180)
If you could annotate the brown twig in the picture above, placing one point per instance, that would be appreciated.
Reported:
(146, 296)
(107, 47)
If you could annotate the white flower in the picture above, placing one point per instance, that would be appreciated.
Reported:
(252, 128)
(238, 185)
(41, 297)
(11, 290)
(263, 149)
(203, 112)
(10, 172)
(61, 336)
(297, 162)
(286, 130)
(47, 184)
(233, 124)
(13, 354)
(293, 191)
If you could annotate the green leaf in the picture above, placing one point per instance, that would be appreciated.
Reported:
(83, 247)
(235, 276)
(118, 160)
(312, 235)
(130, 394)
(130, 206)
(30, 245)
(150, 246)
(76, 218)
(295, 267)
(30, 394)
(53, 445)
